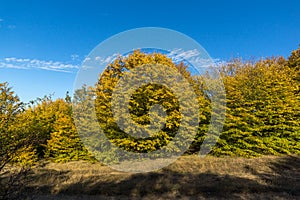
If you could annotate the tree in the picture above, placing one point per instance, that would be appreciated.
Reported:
(146, 98)
(68, 97)
(15, 143)
(294, 64)
(64, 143)
(262, 110)
(41, 115)
(13, 126)
(87, 126)
(294, 59)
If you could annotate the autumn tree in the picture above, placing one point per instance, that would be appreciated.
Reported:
(87, 126)
(294, 64)
(294, 59)
(262, 110)
(16, 143)
(64, 144)
(167, 115)
(15, 136)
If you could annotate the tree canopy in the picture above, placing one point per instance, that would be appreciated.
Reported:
(262, 112)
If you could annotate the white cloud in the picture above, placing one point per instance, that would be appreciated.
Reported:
(86, 59)
(179, 54)
(25, 63)
(193, 56)
(98, 61)
(75, 57)
(105, 60)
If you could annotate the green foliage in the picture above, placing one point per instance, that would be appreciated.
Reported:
(294, 64)
(262, 110)
(294, 59)
(88, 126)
(64, 144)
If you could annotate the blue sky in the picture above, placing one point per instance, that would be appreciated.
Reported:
(42, 43)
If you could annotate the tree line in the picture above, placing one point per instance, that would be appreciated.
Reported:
(262, 113)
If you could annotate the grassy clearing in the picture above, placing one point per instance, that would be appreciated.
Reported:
(190, 177)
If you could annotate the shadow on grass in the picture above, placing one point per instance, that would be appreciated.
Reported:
(281, 182)
(45, 181)
(168, 183)
(284, 176)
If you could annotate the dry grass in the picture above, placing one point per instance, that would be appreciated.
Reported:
(190, 177)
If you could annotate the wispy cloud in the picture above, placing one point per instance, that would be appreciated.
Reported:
(10, 26)
(194, 56)
(25, 63)
(75, 57)
(98, 61)
(106, 60)
(179, 54)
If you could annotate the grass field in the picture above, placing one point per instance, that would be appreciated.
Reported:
(190, 177)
